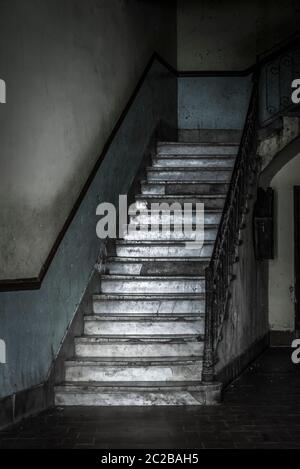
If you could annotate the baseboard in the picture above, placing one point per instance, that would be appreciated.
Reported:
(233, 369)
(34, 400)
(281, 338)
(22, 404)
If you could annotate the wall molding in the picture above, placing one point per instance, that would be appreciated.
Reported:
(216, 73)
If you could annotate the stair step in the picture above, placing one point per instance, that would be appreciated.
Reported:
(134, 369)
(139, 346)
(143, 317)
(211, 217)
(155, 284)
(176, 198)
(180, 148)
(111, 325)
(137, 393)
(188, 174)
(138, 232)
(199, 161)
(133, 248)
(215, 201)
(152, 266)
(184, 187)
(158, 305)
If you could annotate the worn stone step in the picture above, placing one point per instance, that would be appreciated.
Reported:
(126, 248)
(179, 148)
(142, 325)
(160, 218)
(139, 346)
(215, 201)
(156, 266)
(137, 394)
(158, 305)
(184, 187)
(166, 369)
(171, 233)
(155, 284)
(188, 174)
(199, 161)
(144, 316)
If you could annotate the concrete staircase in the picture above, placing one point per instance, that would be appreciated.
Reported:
(143, 344)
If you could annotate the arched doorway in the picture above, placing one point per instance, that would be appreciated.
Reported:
(282, 295)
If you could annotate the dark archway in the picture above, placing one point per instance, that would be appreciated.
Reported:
(279, 160)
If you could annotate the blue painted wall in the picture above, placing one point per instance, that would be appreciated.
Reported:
(33, 323)
(213, 102)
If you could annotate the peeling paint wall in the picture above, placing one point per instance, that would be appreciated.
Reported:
(227, 34)
(69, 67)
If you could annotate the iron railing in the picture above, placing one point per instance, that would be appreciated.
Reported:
(270, 99)
(219, 273)
(278, 68)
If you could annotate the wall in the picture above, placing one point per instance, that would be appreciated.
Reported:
(213, 102)
(33, 323)
(70, 67)
(227, 34)
(281, 269)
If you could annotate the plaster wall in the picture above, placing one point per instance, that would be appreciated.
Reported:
(228, 34)
(69, 67)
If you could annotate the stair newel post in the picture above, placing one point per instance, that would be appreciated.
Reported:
(208, 373)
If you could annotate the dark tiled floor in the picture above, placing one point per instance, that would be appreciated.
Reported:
(260, 410)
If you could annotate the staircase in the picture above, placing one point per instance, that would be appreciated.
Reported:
(143, 344)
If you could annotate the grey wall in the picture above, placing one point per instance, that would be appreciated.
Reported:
(213, 102)
(69, 66)
(227, 34)
(33, 323)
